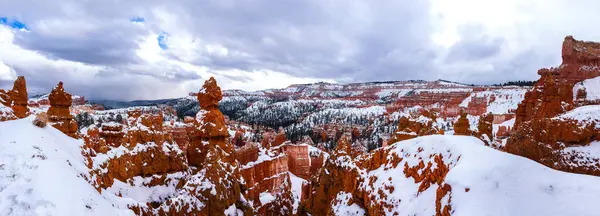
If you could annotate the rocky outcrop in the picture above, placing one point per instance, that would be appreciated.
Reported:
(59, 112)
(142, 147)
(16, 99)
(269, 176)
(544, 140)
(280, 138)
(462, 126)
(411, 128)
(541, 131)
(299, 160)
(214, 182)
(363, 179)
(485, 128)
(553, 93)
(41, 120)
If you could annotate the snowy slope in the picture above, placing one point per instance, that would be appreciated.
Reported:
(498, 183)
(42, 173)
(585, 114)
(504, 99)
(592, 88)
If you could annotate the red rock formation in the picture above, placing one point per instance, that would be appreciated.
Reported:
(16, 98)
(478, 105)
(503, 132)
(543, 140)
(146, 128)
(280, 138)
(553, 93)
(209, 125)
(59, 113)
(462, 126)
(113, 134)
(265, 176)
(449, 101)
(149, 149)
(538, 136)
(346, 174)
(180, 136)
(247, 153)
(215, 180)
(408, 129)
(298, 159)
(238, 138)
(485, 127)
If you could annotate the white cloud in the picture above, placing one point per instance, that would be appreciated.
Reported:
(7, 73)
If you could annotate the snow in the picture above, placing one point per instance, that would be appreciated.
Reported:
(592, 88)
(341, 206)
(296, 190)
(504, 101)
(42, 172)
(266, 197)
(585, 114)
(233, 211)
(508, 124)
(586, 154)
(443, 90)
(499, 183)
(136, 190)
(6, 112)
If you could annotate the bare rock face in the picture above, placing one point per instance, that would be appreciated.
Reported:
(484, 128)
(409, 128)
(461, 127)
(180, 136)
(299, 160)
(269, 176)
(540, 132)
(280, 138)
(545, 141)
(59, 113)
(553, 93)
(16, 99)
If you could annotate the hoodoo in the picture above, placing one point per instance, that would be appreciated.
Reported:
(59, 112)
(16, 99)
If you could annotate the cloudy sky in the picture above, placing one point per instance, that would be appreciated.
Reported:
(151, 49)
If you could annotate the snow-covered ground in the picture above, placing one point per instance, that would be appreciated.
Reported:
(591, 87)
(504, 99)
(42, 172)
(484, 182)
(584, 114)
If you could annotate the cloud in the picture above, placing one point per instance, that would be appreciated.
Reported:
(144, 50)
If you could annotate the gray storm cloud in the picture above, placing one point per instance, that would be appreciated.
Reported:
(350, 41)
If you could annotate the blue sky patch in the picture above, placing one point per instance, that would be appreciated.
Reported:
(162, 43)
(137, 19)
(13, 23)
